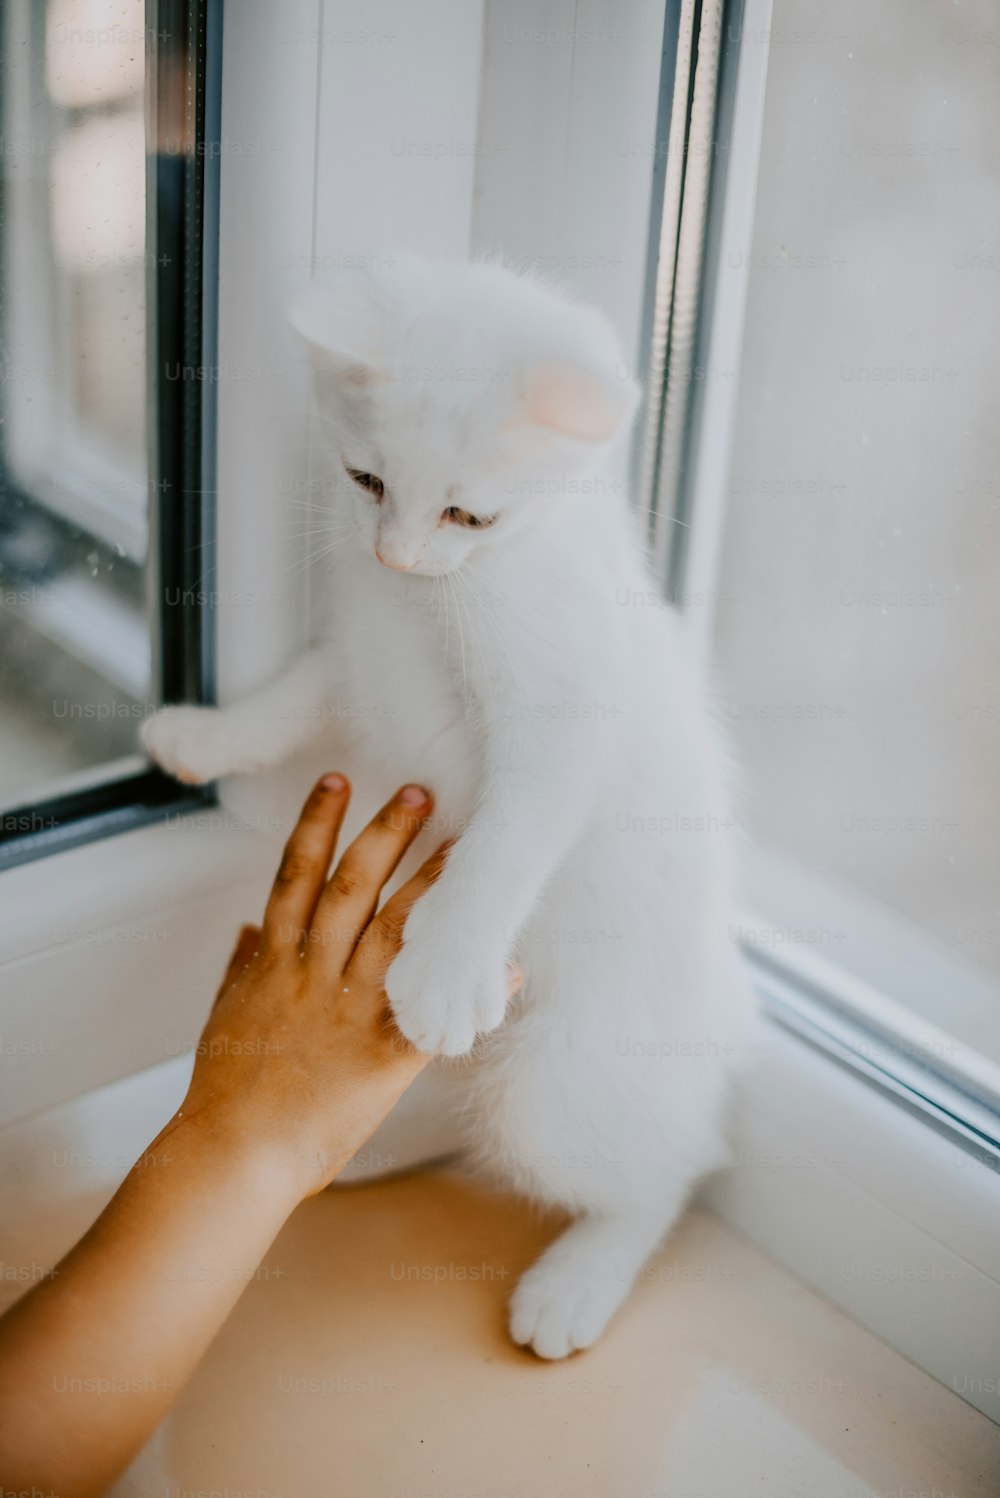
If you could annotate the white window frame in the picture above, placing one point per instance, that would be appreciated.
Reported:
(832, 1171)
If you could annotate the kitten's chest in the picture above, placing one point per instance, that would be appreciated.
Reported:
(403, 702)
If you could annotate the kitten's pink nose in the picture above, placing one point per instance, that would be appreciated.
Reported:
(394, 566)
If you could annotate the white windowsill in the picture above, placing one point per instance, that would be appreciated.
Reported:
(110, 953)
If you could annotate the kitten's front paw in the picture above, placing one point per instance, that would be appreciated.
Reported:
(194, 744)
(445, 988)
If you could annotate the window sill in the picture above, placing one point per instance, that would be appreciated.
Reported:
(110, 952)
(113, 950)
(890, 1220)
(722, 1374)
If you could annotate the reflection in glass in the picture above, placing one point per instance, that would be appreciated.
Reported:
(74, 646)
(860, 615)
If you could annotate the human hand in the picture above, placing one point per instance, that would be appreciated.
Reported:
(301, 1059)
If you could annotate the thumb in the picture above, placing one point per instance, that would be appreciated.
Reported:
(243, 953)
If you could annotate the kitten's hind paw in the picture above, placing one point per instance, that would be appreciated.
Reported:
(559, 1307)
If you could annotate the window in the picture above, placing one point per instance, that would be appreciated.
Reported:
(850, 588)
(493, 132)
(105, 523)
(859, 619)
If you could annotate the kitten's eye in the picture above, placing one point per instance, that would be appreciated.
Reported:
(368, 481)
(454, 516)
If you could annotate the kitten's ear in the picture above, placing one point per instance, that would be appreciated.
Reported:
(588, 405)
(346, 326)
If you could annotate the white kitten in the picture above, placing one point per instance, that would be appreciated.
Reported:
(496, 636)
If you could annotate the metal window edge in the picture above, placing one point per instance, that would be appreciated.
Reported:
(938, 1099)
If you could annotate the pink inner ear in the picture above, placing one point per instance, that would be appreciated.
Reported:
(573, 402)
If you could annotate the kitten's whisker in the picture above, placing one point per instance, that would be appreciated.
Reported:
(305, 504)
(307, 527)
(461, 638)
(438, 594)
(477, 645)
(309, 535)
(316, 522)
(309, 561)
(542, 622)
(502, 646)
(491, 623)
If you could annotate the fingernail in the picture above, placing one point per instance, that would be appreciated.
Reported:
(414, 795)
(334, 782)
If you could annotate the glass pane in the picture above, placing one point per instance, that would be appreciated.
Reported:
(860, 625)
(74, 645)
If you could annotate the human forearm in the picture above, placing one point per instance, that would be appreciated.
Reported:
(173, 1250)
(298, 1064)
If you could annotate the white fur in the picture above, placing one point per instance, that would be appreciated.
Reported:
(524, 673)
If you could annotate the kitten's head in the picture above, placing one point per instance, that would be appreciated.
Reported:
(461, 402)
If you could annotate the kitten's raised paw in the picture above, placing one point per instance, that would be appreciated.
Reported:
(444, 988)
(194, 744)
(440, 1007)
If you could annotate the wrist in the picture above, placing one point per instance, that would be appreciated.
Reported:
(212, 1148)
